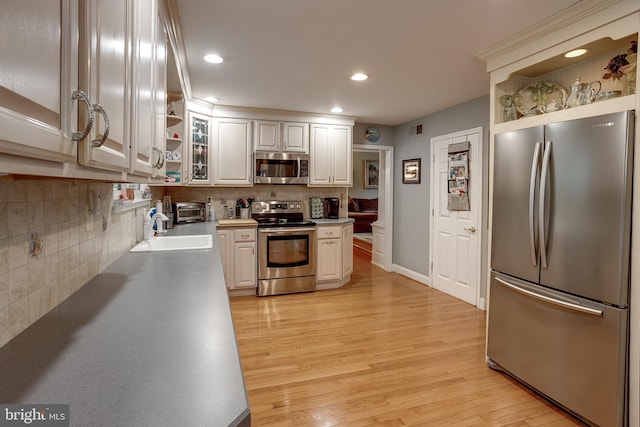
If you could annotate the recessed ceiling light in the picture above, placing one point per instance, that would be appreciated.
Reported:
(213, 58)
(337, 110)
(211, 99)
(575, 53)
(359, 77)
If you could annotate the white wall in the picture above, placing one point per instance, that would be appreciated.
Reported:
(411, 201)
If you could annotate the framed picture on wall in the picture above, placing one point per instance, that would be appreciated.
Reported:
(371, 172)
(411, 171)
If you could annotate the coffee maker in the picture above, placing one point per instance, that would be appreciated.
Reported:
(331, 207)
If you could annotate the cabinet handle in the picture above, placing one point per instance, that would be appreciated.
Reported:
(79, 95)
(98, 142)
(160, 163)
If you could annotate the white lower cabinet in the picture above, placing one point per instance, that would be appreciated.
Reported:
(334, 262)
(329, 265)
(239, 257)
(347, 249)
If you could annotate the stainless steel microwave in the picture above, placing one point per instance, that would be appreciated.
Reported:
(281, 168)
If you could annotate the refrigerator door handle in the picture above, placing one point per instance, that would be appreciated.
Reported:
(542, 205)
(554, 301)
(533, 246)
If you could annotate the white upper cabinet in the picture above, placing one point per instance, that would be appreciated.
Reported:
(281, 136)
(330, 153)
(198, 150)
(232, 155)
(295, 137)
(122, 70)
(148, 130)
(38, 46)
(105, 58)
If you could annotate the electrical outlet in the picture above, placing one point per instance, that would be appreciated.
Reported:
(88, 220)
(95, 203)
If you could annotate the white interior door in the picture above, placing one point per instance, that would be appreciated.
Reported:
(455, 241)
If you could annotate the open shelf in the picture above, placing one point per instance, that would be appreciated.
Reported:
(173, 120)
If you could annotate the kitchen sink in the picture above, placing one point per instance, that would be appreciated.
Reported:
(175, 243)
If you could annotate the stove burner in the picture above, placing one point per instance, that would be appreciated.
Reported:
(279, 214)
(283, 222)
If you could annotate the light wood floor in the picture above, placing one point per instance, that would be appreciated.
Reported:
(382, 351)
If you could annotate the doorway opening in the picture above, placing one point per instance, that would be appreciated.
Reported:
(374, 171)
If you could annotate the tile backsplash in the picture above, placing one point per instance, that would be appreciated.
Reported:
(51, 244)
(221, 196)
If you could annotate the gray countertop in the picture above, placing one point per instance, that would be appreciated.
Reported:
(147, 342)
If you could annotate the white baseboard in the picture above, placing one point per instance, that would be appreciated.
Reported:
(411, 274)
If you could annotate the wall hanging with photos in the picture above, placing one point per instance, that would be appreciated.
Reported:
(458, 196)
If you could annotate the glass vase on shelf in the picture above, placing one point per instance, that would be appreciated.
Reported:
(509, 110)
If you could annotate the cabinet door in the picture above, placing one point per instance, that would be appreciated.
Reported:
(329, 259)
(330, 148)
(39, 73)
(321, 155)
(342, 151)
(347, 250)
(225, 245)
(267, 136)
(198, 149)
(148, 106)
(245, 265)
(160, 100)
(232, 152)
(105, 57)
(295, 137)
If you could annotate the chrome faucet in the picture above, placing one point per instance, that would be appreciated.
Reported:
(148, 224)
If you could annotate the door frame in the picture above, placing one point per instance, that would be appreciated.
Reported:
(385, 195)
(479, 186)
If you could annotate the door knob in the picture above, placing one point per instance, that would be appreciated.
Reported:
(470, 229)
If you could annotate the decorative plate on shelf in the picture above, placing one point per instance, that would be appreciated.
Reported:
(537, 98)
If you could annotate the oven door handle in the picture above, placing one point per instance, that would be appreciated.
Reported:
(285, 230)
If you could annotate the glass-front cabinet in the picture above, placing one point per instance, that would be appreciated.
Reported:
(198, 152)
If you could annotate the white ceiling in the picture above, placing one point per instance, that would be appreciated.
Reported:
(298, 55)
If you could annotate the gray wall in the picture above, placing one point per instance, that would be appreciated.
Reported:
(358, 189)
(411, 203)
(387, 135)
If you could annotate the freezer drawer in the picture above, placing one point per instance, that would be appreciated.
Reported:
(574, 356)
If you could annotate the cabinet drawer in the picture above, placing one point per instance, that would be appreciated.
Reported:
(245, 235)
(329, 232)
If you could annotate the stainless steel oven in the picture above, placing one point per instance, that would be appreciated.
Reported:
(286, 248)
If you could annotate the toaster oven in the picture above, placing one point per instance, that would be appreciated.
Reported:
(188, 212)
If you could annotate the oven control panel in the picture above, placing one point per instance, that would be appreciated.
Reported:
(274, 206)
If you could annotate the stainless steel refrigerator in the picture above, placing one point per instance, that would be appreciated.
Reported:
(558, 316)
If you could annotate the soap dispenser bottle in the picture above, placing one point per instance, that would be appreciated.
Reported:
(211, 214)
